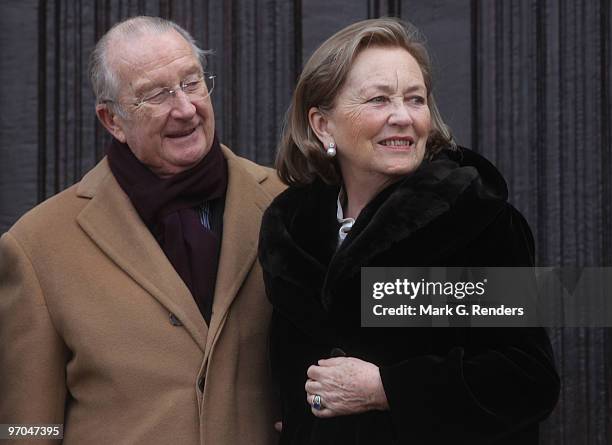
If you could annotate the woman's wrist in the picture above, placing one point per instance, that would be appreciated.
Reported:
(379, 397)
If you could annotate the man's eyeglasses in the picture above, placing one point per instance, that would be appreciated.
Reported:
(197, 87)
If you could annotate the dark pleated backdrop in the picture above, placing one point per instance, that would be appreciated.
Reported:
(525, 82)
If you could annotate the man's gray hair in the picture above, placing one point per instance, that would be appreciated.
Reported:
(104, 79)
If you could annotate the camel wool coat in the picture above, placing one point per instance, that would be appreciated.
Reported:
(99, 333)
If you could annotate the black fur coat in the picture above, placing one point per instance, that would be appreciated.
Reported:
(444, 385)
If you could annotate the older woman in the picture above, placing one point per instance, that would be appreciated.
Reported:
(375, 180)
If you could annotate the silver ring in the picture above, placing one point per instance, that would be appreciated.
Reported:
(316, 402)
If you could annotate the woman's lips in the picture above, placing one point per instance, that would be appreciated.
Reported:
(397, 143)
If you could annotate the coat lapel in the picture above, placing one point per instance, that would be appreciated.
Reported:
(392, 217)
(423, 197)
(112, 223)
(414, 203)
(245, 203)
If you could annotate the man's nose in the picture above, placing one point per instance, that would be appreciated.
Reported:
(182, 106)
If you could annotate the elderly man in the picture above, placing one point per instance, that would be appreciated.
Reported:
(132, 308)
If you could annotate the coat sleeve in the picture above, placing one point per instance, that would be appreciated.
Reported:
(485, 384)
(32, 354)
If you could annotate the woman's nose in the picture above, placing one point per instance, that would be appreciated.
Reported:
(400, 114)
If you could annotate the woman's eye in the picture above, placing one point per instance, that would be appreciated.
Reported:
(418, 100)
(378, 100)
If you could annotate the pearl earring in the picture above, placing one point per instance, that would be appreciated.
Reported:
(331, 150)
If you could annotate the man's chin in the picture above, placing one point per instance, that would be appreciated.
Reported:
(188, 151)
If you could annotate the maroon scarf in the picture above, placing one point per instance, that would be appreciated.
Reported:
(170, 209)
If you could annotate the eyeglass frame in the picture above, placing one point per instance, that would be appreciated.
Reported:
(171, 91)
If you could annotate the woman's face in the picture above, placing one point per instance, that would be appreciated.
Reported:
(380, 121)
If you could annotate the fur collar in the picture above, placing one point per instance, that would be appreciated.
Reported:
(299, 229)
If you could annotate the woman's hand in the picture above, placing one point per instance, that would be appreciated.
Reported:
(346, 385)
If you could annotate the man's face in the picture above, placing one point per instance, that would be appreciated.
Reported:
(173, 136)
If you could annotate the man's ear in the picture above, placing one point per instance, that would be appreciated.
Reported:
(111, 122)
(321, 125)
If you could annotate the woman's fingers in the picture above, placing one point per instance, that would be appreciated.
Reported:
(312, 386)
(324, 413)
(318, 406)
(334, 361)
(345, 385)
(314, 372)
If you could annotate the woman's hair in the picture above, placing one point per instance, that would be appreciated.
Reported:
(301, 156)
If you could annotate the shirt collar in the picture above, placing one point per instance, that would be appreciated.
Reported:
(345, 223)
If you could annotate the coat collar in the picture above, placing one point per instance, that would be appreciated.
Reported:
(112, 223)
(451, 180)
